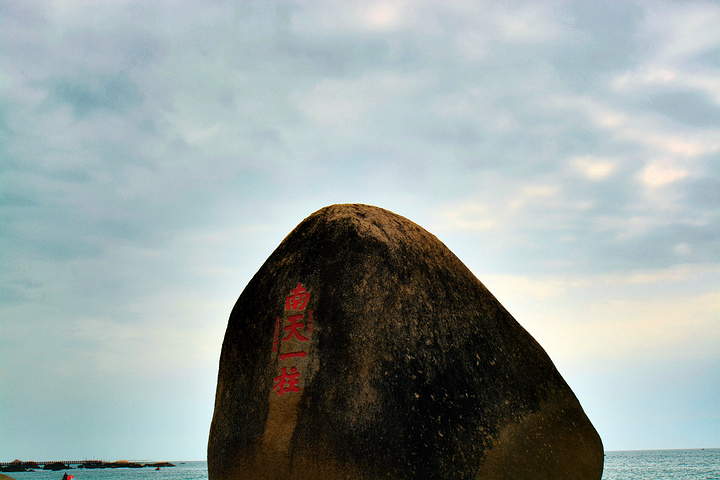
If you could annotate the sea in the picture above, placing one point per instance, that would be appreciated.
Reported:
(703, 464)
(624, 465)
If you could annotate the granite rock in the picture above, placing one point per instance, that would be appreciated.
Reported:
(365, 349)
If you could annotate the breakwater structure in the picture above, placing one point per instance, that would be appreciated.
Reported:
(19, 466)
(55, 465)
(40, 464)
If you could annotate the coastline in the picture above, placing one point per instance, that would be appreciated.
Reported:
(31, 466)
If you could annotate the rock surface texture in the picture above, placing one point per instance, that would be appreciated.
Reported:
(364, 349)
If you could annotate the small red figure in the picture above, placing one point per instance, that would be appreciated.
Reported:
(293, 328)
(287, 382)
(298, 298)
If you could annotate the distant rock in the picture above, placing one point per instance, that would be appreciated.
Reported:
(14, 466)
(364, 349)
(122, 464)
(125, 464)
(55, 466)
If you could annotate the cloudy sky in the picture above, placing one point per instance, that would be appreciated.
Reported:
(154, 154)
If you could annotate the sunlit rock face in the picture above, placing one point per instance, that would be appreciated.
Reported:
(364, 349)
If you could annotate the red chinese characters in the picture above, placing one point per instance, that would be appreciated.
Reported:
(295, 333)
(294, 328)
(285, 356)
(298, 298)
(287, 381)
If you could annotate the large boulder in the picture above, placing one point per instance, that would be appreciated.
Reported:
(364, 349)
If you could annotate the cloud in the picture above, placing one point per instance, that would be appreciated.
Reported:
(629, 318)
(516, 286)
(681, 325)
(533, 193)
(685, 31)
(683, 249)
(153, 157)
(687, 107)
(354, 17)
(594, 168)
(112, 93)
(338, 102)
(659, 174)
(468, 216)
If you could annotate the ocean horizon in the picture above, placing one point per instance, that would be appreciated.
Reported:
(682, 464)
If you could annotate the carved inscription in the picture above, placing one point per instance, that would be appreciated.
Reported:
(296, 331)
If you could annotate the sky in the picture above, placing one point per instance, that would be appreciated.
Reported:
(154, 154)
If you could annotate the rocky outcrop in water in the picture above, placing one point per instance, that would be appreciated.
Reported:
(125, 464)
(364, 349)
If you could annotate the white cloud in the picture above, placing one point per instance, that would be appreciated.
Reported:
(630, 227)
(679, 327)
(473, 44)
(598, 112)
(519, 286)
(384, 15)
(657, 78)
(347, 101)
(637, 125)
(466, 216)
(683, 249)
(684, 30)
(529, 194)
(662, 173)
(343, 18)
(198, 135)
(532, 23)
(539, 191)
(665, 142)
(679, 274)
(593, 167)
(627, 317)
